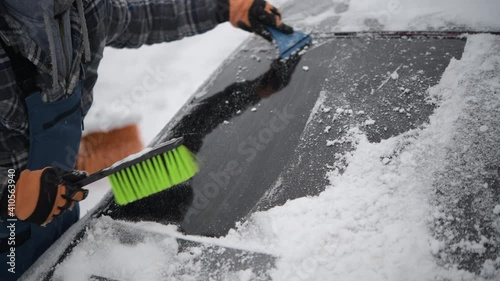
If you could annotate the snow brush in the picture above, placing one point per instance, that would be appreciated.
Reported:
(147, 172)
(288, 44)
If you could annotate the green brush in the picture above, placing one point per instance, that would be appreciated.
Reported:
(148, 172)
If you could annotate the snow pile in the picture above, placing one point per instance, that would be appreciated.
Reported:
(117, 250)
(107, 252)
(396, 213)
(391, 15)
(382, 219)
(422, 15)
(402, 210)
(467, 188)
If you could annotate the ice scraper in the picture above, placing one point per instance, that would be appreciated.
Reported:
(289, 44)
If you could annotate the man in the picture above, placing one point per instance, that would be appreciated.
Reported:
(49, 55)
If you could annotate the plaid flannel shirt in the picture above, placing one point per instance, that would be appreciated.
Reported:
(116, 23)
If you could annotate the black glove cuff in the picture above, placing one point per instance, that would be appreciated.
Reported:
(222, 11)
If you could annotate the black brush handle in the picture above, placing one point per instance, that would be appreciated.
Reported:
(130, 161)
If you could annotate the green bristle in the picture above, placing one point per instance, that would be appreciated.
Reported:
(153, 175)
(165, 173)
(141, 180)
(122, 186)
(182, 169)
(173, 171)
(148, 181)
(120, 183)
(127, 185)
(172, 157)
(154, 180)
(118, 196)
(138, 181)
(188, 160)
(130, 183)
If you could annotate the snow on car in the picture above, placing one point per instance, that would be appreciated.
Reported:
(406, 187)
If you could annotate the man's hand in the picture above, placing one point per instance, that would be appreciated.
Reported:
(44, 194)
(254, 15)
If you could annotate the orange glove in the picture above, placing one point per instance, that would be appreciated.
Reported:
(44, 194)
(254, 15)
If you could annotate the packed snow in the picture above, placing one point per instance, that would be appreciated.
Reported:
(373, 222)
(395, 15)
(393, 214)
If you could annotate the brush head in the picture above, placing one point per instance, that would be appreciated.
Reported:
(152, 172)
(289, 44)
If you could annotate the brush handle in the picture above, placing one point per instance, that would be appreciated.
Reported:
(130, 161)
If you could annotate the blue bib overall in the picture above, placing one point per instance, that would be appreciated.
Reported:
(55, 133)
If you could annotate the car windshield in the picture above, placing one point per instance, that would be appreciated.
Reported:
(373, 154)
